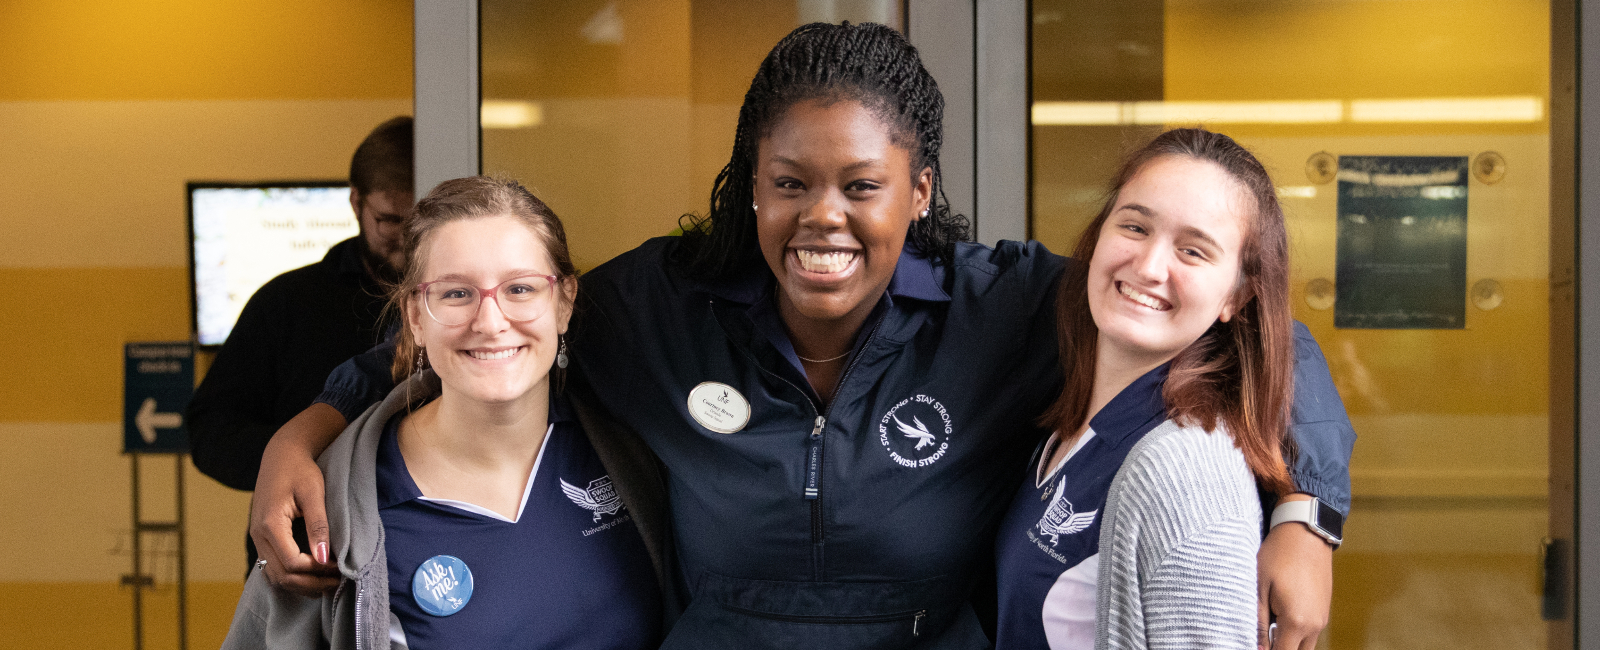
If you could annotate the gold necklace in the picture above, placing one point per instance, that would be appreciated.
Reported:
(846, 354)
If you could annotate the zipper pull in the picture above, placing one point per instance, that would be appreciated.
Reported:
(916, 623)
(814, 461)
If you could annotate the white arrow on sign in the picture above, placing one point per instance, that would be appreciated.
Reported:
(148, 420)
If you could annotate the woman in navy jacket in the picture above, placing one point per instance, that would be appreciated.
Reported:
(840, 388)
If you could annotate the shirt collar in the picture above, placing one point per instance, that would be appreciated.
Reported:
(915, 277)
(395, 485)
(560, 409)
(1138, 408)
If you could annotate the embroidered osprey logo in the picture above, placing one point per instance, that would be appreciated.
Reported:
(919, 433)
(1059, 519)
(916, 444)
(599, 498)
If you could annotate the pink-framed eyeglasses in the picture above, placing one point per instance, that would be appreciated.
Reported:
(521, 299)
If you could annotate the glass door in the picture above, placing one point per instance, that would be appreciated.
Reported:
(620, 113)
(1411, 145)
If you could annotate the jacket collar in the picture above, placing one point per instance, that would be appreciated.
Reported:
(916, 278)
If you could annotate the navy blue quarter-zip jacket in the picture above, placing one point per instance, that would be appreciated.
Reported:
(855, 524)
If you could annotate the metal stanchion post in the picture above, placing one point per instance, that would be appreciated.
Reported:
(139, 580)
(183, 563)
(138, 574)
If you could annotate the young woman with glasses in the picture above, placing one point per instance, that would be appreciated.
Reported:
(469, 508)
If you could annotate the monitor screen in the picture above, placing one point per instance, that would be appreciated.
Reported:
(244, 234)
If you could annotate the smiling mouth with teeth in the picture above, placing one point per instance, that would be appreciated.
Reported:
(829, 262)
(1142, 298)
(491, 356)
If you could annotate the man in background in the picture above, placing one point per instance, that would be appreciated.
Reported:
(302, 324)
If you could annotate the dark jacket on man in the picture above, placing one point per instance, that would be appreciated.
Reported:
(295, 330)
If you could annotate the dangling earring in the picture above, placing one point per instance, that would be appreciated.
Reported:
(561, 354)
(421, 352)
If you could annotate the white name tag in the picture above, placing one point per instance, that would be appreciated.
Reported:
(719, 407)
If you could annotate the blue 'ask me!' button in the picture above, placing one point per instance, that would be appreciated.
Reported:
(158, 379)
(442, 585)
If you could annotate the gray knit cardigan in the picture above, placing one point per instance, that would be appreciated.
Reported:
(1178, 545)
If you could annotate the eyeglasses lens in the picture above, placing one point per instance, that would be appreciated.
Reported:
(519, 299)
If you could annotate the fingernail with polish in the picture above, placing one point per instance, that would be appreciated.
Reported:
(322, 552)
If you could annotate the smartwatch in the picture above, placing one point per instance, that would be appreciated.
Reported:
(1320, 517)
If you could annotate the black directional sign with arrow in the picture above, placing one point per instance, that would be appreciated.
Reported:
(158, 380)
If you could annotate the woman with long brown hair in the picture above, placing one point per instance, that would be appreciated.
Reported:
(1139, 522)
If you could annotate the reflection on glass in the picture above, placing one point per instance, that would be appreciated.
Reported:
(1175, 113)
(509, 114)
(1450, 474)
(620, 113)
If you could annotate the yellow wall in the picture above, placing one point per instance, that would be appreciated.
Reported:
(185, 49)
(106, 109)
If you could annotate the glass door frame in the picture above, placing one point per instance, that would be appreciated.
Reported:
(1575, 267)
(981, 54)
(447, 140)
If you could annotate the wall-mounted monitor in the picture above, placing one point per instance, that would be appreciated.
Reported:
(243, 234)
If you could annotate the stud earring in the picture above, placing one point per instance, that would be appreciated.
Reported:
(561, 353)
(924, 214)
(754, 207)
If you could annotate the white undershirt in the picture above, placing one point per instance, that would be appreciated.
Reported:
(1068, 613)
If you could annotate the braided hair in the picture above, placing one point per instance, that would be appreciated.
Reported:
(867, 63)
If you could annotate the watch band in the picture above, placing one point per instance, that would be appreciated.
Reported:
(1306, 512)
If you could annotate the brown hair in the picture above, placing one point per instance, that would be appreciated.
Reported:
(1239, 373)
(472, 197)
(383, 161)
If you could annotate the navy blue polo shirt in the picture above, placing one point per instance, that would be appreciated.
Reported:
(570, 572)
(1047, 553)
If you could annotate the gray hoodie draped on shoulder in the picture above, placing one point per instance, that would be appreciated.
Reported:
(356, 614)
